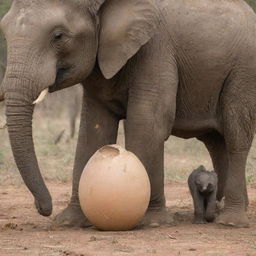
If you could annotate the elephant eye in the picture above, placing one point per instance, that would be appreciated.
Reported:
(58, 36)
(59, 39)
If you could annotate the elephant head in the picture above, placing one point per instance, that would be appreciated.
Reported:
(54, 44)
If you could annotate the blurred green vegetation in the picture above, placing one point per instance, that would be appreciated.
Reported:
(4, 6)
(252, 3)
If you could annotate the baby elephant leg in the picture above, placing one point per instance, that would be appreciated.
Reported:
(198, 208)
(211, 207)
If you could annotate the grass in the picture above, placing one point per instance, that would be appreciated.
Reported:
(252, 3)
(56, 161)
(4, 6)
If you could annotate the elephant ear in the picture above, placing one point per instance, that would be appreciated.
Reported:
(126, 25)
(95, 5)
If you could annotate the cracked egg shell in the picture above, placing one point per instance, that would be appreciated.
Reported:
(114, 189)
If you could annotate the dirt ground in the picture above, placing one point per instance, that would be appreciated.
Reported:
(24, 232)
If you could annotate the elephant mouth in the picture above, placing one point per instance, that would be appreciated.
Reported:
(62, 76)
(62, 80)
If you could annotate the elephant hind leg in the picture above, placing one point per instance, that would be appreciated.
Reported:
(238, 129)
(216, 146)
(235, 202)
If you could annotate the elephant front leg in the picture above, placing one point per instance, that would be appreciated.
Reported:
(149, 120)
(199, 210)
(150, 117)
(144, 140)
(98, 127)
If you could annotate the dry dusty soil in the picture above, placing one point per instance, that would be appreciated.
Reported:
(24, 232)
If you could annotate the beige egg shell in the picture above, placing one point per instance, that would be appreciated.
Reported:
(114, 189)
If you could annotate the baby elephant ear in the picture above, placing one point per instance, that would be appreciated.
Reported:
(126, 25)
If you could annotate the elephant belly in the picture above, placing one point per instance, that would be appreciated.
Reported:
(190, 128)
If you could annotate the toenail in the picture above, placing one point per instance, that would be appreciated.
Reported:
(154, 225)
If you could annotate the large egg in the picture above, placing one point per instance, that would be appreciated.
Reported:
(114, 189)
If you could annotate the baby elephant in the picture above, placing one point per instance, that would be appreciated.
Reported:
(203, 188)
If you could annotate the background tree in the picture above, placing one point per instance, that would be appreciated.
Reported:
(4, 6)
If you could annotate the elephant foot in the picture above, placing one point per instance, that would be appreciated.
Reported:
(72, 216)
(198, 220)
(210, 216)
(157, 218)
(234, 219)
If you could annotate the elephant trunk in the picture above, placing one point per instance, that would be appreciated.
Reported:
(19, 112)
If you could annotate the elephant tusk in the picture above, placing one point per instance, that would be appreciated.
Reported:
(41, 96)
(3, 125)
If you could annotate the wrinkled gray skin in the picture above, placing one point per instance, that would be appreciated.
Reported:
(203, 188)
(186, 68)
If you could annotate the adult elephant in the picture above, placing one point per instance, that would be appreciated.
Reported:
(186, 68)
